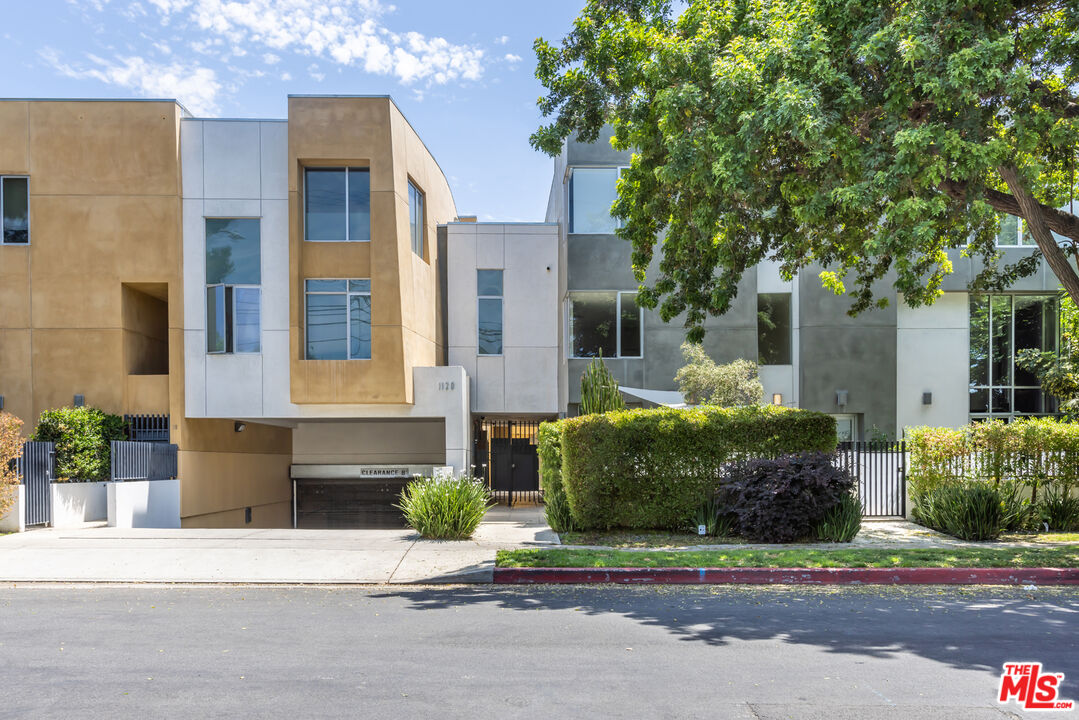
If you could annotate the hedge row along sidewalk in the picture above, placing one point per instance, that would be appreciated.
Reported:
(993, 566)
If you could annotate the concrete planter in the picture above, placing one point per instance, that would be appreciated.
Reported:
(75, 503)
(144, 504)
(15, 519)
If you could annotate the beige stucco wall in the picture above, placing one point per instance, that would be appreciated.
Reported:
(367, 132)
(370, 442)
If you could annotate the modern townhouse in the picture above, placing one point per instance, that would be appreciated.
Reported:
(877, 373)
(303, 301)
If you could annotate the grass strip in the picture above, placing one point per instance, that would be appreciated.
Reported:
(988, 557)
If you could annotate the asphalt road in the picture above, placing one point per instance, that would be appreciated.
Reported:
(543, 652)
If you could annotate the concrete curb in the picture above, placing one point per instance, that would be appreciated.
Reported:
(791, 576)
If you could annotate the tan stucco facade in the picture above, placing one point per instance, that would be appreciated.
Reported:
(93, 304)
(367, 132)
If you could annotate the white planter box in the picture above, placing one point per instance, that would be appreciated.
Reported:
(144, 504)
(75, 503)
(15, 519)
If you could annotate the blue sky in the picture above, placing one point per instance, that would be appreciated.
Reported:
(462, 72)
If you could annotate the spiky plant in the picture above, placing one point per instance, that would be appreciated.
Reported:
(599, 389)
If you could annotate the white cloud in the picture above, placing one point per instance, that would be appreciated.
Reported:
(285, 77)
(502, 40)
(511, 58)
(271, 59)
(346, 32)
(194, 86)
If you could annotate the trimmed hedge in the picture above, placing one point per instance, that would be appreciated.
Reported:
(82, 436)
(549, 451)
(651, 469)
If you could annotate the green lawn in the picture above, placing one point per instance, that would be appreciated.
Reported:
(1049, 537)
(641, 538)
(1058, 557)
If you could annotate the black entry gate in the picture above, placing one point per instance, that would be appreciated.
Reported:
(35, 467)
(881, 470)
(506, 458)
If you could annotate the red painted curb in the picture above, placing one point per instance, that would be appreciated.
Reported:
(792, 576)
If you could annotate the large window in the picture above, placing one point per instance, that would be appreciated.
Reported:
(489, 311)
(15, 208)
(607, 323)
(1000, 327)
(233, 276)
(774, 329)
(415, 218)
(592, 191)
(1011, 233)
(338, 319)
(337, 205)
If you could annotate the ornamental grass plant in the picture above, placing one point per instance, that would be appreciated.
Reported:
(444, 508)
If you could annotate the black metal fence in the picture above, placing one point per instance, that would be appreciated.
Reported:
(133, 460)
(881, 471)
(147, 428)
(505, 457)
(36, 468)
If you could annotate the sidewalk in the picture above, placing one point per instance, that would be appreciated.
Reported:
(103, 554)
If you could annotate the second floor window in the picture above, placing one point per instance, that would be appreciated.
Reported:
(489, 311)
(415, 218)
(592, 192)
(15, 207)
(233, 279)
(338, 319)
(605, 322)
(337, 205)
(1011, 233)
(774, 329)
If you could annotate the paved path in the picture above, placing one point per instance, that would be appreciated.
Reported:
(539, 652)
(102, 554)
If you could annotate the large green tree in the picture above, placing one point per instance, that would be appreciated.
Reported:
(865, 136)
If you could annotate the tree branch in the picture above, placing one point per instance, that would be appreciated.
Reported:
(1058, 221)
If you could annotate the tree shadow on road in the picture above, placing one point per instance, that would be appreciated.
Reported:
(966, 628)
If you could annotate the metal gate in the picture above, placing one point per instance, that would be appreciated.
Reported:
(36, 468)
(881, 470)
(506, 458)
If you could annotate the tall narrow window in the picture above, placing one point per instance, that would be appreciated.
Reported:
(415, 218)
(607, 323)
(489, 311)
(15, 208)
(774, 329)
(233, 279)
(1002, 326)
(337, 205)
(592, 193)
(338, 315)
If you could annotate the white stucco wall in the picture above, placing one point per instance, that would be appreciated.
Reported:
(932, 351)
(524, 379)
(236, 168)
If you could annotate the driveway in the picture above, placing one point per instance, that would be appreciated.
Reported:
(103, 554)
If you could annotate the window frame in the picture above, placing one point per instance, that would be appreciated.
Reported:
(230, 319)
(618, 325)
(348, 169)
(569, 195)
(790, 330)
(502, 305)
(1017, 240)
(422, 220)
(348, 315)
(3, 242)
(1011, 387)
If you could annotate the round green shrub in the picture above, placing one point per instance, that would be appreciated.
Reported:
(444, 508)
(970, 511)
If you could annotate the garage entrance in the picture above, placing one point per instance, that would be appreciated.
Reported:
(351, 496)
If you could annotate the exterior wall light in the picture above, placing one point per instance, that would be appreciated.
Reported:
(777, 398)
(239, 426)
(1, 402)
(841, 398)
(927, 398)
(79, 400)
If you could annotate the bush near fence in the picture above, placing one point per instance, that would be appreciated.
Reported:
(82, 436)
(651, 469)
(1027, 463)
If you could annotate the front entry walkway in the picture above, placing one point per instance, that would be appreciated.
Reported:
(102, 554)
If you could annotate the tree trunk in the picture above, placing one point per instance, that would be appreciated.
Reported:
(1032, 215)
